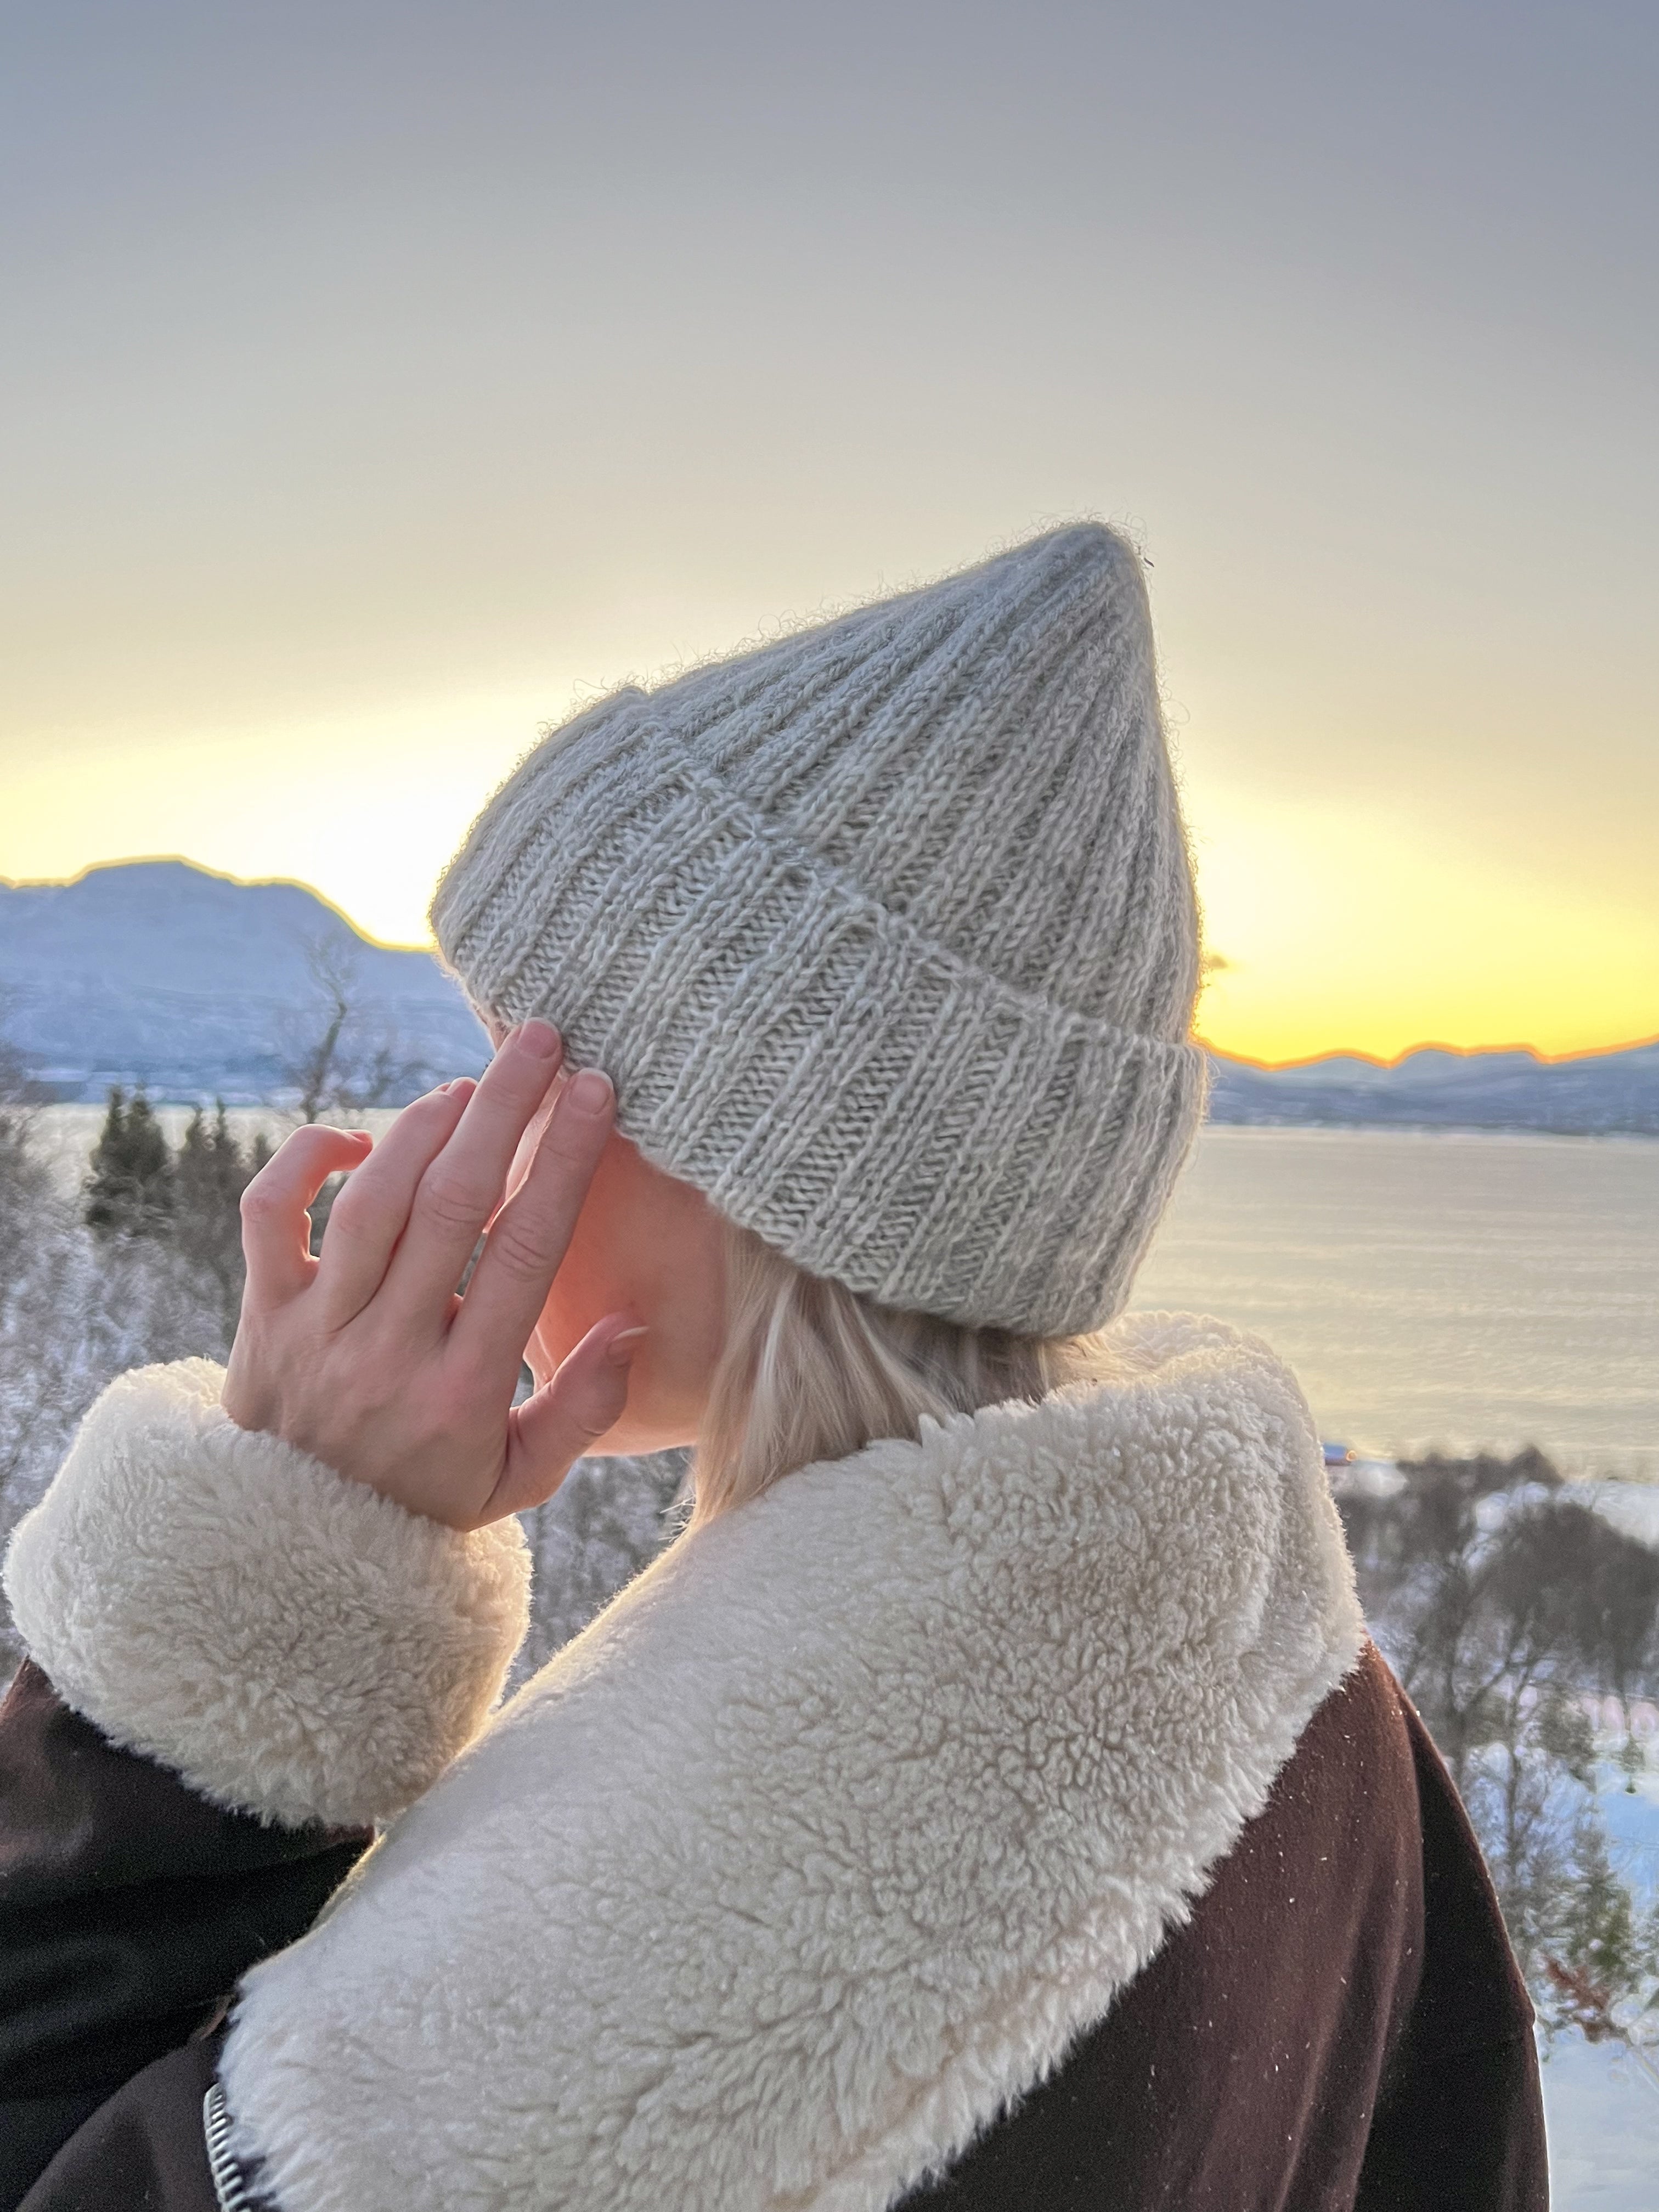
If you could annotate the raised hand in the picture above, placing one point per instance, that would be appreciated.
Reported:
(367, 1357)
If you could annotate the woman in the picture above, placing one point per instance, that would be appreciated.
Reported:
(991, 1800)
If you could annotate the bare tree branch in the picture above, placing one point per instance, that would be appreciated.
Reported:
(343, 1055)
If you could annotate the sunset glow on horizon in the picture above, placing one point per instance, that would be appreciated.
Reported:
(373, 423)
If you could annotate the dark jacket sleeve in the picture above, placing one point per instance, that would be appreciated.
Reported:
(129, 1909)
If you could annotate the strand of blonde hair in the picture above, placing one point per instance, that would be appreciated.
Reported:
(811, 1370)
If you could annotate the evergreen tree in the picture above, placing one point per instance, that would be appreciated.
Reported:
(129, 1191)
(209, 1176)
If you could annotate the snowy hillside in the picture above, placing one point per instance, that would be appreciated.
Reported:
(160, 972)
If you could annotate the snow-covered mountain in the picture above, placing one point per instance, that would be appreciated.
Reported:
(197, 985)
(1597, 1093)
(160, 972)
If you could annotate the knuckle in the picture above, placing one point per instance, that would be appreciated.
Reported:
(559, 1150)
(260, 1201)
(353, 1204)
(585, 1422)
(588, 1407)
(562, 1169)
(449, 1203)
(519, 1252)
(513, 1075)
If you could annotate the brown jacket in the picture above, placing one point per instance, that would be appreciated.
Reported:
(1339, 2023)
(1015, 1818)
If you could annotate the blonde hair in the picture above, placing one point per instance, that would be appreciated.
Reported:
(811, 1370)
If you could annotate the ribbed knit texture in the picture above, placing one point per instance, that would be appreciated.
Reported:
(885, 933)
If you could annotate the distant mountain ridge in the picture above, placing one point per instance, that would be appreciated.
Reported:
(1603, 1093)
(196, 985)
(192, 983)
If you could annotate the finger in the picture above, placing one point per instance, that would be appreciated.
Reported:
(568, 1416)
(372, 1212)
(531, 1234)
(462, 1187)
(276, 1227)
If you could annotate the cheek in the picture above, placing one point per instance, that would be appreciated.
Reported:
(648, 1244)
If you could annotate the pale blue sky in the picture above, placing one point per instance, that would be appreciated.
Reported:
(375, 379)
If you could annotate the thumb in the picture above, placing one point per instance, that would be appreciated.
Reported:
(567, 1417)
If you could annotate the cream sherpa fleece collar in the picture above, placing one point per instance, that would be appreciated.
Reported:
(828, 1839)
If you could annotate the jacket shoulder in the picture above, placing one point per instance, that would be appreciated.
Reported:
(1289, 2042)
(1248, 2056)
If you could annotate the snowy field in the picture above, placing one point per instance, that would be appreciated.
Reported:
(1603, 2121)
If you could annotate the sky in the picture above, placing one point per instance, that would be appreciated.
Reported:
(380, 383)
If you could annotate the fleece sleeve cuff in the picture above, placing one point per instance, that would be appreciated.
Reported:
(291, 1642)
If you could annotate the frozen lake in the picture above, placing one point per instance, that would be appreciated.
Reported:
(1456, 1289)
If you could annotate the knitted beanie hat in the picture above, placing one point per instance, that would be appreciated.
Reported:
(886, 934)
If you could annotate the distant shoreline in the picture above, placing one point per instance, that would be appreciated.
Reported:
(1311, 1128)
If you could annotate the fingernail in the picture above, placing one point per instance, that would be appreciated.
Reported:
(590, 1093)
(539, 1039)
(623, 1347)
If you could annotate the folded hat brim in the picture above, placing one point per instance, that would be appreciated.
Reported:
(866, 1101)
